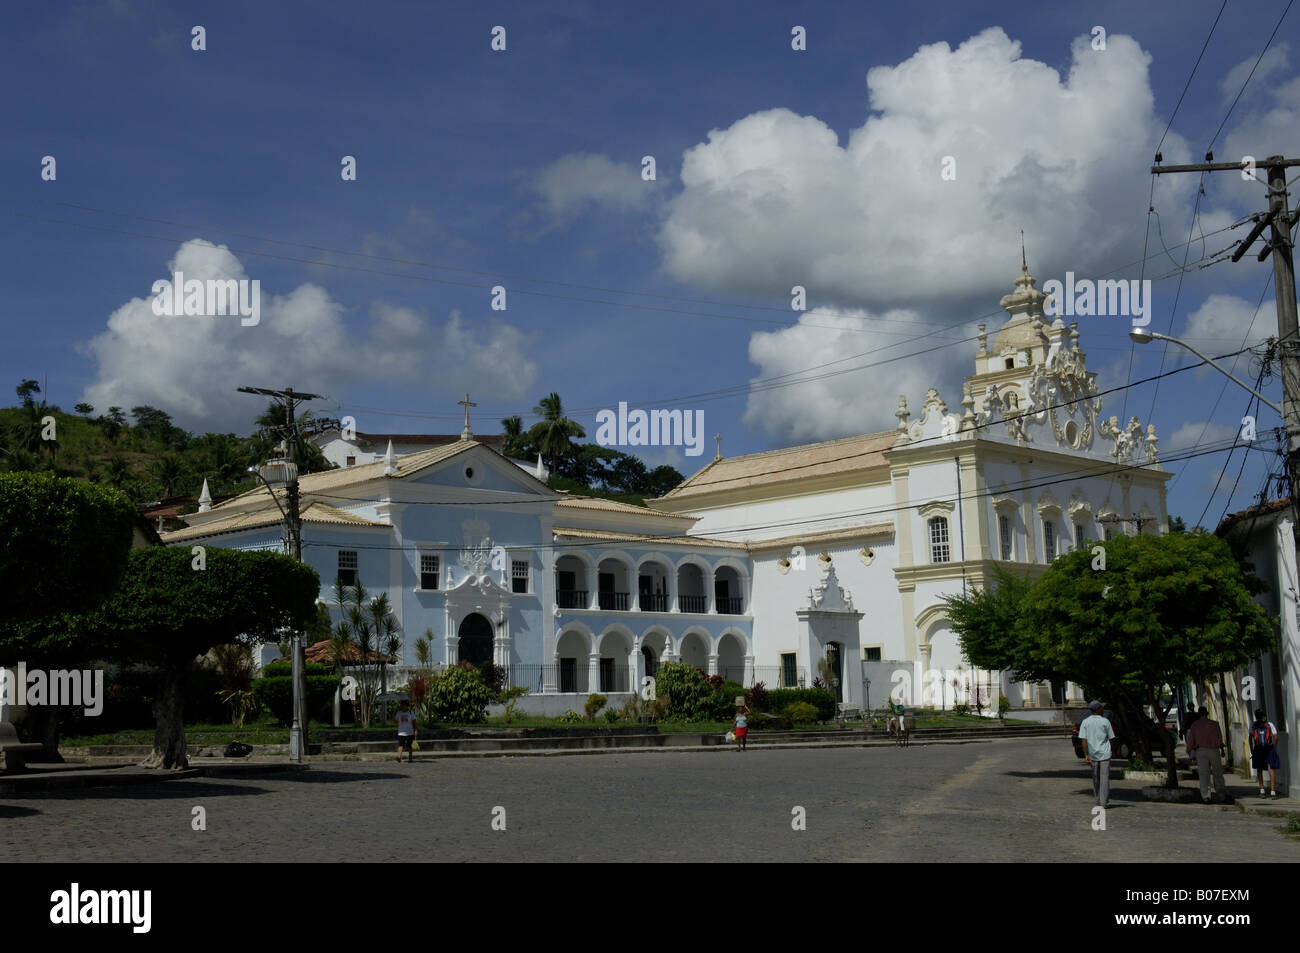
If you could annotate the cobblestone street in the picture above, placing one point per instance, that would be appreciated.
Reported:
(1002, 801)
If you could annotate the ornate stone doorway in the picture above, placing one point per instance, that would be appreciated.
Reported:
(475, 640)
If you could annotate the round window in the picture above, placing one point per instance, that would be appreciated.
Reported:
(1072, 433)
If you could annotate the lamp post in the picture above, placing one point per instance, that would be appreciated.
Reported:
(283, 472)
(1143, 336)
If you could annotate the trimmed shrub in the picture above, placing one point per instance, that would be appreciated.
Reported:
(459, 696)
(962, 709)
(778, 699)
(283, 668)
(685, 690)
(276, 695)
(594, 704)
(723, 703)
(801, 713)
(494, 677)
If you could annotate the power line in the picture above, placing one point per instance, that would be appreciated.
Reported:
(1244, 457)
(1192, 74)
(1210, 147)
(1226, 381)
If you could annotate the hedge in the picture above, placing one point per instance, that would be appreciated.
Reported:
(276, 695)
(779, 699)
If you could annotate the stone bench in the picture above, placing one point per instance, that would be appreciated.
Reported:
(15, 751)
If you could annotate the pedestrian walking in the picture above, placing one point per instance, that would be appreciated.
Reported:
(1205, 742)
(1263, 752)
(1189, 716)
(742, 726)
(1095, 736)
(406, 731)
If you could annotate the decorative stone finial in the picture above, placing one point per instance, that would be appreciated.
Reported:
(902, 413)
(968, 401)
(205, 499)
(390, 461)
(718, 438)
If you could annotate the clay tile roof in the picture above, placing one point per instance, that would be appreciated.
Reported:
(612, 506)
(320, 652)
(830, 457)
(436, 439)
(573, 532)
(254, 519)
(328, 480)
(1259, 509)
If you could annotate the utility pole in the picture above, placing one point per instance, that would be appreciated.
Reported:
(1280, 219)
(1135, 520)
(293, 541)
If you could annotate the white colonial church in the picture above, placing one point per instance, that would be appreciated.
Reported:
(758, 567)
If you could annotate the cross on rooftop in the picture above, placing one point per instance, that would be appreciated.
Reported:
(467, 404)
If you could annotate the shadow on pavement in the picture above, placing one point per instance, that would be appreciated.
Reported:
(318, 776)
(13, 810)
(140, 792)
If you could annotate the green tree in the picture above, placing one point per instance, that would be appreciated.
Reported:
(364, 639)
(629, 475)
(167, 611)
(1164, 610)
(25, 390)
(112, 423)
(985, 623)
(516, 443)
(84, 409)
(117, 472)
(169, 471)
(63, 548)
(63, 544)
(552, 435)
(661, 480)
(684, 689)
(25, 435)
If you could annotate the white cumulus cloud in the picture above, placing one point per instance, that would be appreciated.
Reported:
(581, 179)
(869, 225)
(190, 366)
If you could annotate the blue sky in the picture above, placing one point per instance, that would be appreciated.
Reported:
(522, 168)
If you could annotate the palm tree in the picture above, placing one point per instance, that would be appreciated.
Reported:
(363, 639)
(274, 423)
(169, 471)
(117, 471)
(514, 432)
(551, 434)
(27, 434)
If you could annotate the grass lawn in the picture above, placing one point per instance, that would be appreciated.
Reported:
(268, 733)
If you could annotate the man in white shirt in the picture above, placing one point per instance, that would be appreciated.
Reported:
(1095, 736)
(406, 732)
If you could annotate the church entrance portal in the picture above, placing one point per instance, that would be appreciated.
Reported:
(475, 640)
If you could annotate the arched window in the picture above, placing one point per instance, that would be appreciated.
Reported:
(939, 552)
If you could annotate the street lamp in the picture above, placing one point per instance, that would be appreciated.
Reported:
(1143, 336)
(285, 473)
